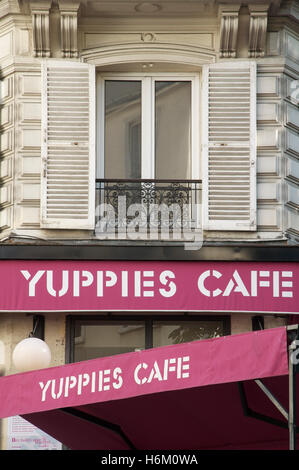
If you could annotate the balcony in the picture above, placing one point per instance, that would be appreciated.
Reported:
(148, 209)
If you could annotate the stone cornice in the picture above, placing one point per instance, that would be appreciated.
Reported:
(19, 64)
(148, 52)
(276, 23)
(224, 27)
(9, 7)
(290, 8)
(277, 65)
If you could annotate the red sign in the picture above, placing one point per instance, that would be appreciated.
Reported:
(149, 286)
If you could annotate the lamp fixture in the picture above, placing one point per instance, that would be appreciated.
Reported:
(32, 353)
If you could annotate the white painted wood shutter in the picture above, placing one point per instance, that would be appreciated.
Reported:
(68, 145)
(229, 146)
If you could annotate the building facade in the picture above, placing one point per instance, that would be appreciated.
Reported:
(137, 138)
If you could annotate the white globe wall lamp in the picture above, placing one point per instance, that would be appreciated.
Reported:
(32, 353)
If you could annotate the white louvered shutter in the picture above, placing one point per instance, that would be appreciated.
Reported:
(68, 145)
(229, 146)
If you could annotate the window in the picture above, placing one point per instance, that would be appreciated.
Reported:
(148, 127)
(162, 119)
(92, 337)
(148, 152)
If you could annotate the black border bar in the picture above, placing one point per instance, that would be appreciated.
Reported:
(151, 253)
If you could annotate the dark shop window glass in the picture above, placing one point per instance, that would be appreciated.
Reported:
(108, 339)
(100, 338)
(166, 333)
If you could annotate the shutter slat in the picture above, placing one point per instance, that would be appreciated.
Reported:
(69, 145)
(229, 146)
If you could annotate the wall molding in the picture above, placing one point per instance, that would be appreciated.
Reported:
(148, 52)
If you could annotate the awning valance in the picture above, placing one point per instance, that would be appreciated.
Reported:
(195, 395)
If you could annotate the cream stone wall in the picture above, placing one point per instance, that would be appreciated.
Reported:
(125, 43)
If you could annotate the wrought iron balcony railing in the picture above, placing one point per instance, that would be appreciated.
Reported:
(147, 205)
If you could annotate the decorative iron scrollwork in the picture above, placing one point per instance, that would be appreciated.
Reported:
(156, 203)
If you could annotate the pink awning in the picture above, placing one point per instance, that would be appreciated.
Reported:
(186, 396)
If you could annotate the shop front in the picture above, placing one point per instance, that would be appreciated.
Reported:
(152, 361)
(235, 392)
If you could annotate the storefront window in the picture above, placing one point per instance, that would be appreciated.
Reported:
(106, 339)
(149, 125)
(166, 333)
(90, 338)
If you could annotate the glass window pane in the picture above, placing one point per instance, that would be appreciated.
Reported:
(173, 129)
(166, 333)
(122, 129)
(107, 339)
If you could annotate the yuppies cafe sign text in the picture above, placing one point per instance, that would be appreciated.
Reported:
(149, 286)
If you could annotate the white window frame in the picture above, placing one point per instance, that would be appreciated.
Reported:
(148, 119)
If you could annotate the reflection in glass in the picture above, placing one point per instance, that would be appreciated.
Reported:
(102, 340)
(122, 129)
(166, 333)
(173, 129)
